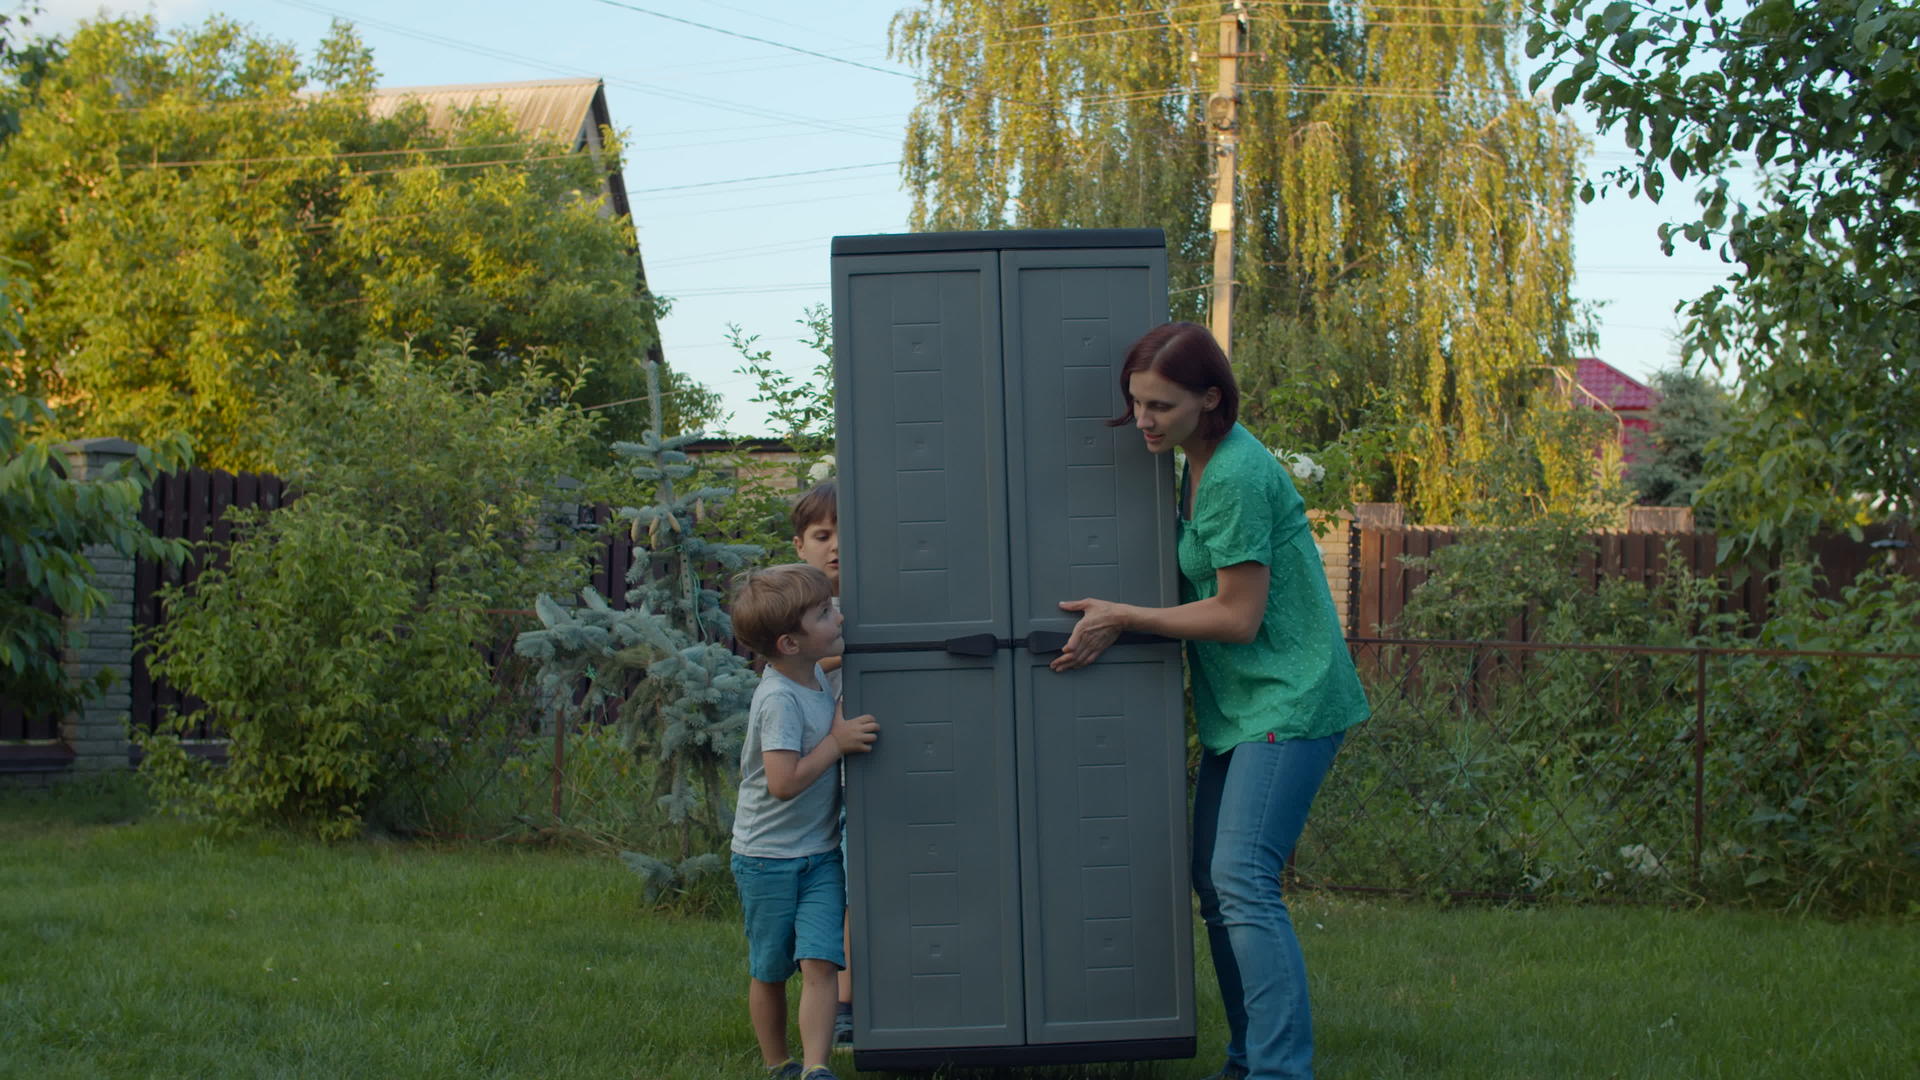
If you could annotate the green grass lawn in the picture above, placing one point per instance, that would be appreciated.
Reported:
(147, 949)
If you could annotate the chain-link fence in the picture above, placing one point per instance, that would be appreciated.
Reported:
(1641, 773)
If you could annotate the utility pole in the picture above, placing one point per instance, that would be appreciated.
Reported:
(1223, 116)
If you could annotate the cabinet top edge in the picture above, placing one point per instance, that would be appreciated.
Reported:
(1003, 240)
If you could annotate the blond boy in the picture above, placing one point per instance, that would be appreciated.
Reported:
(786, 833)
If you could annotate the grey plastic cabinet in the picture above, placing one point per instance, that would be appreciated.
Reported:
(1017, 841)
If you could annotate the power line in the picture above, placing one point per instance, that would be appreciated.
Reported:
(278, 158)
(529, 159)
(761, 40)
(295, 158)
(1213, 8)
(730, 254)
(1034, 33)
(768, 176)
(807, 52)
(545, 66)
(747, 290)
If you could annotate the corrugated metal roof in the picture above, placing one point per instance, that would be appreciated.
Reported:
(553, 108)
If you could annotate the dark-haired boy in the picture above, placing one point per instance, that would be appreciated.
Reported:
(816, 539)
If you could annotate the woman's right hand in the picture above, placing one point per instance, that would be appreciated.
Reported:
(1100, 624)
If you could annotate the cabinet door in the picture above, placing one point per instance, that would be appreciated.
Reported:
(921, 453)
(934, 868)
(1091, 507)
(934, 874)
(1108, 925)
(1101, 750)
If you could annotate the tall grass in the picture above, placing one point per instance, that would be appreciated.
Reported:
(145, 948)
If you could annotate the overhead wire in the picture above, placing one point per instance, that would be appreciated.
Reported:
(285, 158)
(541, 65)
(768, 176)
(760, 40)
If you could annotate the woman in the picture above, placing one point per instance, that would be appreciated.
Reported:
(1274, 689)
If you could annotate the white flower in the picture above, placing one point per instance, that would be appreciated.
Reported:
(1301, 466)
(822, 469)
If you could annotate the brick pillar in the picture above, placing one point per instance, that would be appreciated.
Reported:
(1334, 560)
(98, 732)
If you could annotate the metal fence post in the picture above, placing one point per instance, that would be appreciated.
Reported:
(1699, 761)
(559, 758)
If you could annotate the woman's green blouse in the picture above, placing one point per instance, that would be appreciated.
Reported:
(1295, 679)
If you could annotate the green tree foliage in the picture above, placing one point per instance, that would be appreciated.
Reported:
(683, 693)
(475, 478)
(1821, 313)
(47, 523)
(1674, 457)
(209, 219)
(341, 644)
(12, 28)
(1403, 225)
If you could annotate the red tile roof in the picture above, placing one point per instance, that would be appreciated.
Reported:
(1621, 392)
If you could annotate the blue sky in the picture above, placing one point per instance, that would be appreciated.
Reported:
(704, 113)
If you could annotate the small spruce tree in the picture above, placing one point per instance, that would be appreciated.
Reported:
(684, 693)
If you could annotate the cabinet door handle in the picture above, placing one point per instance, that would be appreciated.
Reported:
(1040, 641)
(976, 645)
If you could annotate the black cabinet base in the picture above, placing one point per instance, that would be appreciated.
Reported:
(1047, 1054)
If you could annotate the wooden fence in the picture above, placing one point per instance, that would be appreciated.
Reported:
(1382, 582)
(189, 506)
(193, 506)
(30, 728)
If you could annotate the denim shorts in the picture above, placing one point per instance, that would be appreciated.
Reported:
(793, 909)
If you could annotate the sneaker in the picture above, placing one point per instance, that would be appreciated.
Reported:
(1230, 1071)
(786, 1070)
(843, 1029)
(818, 1072)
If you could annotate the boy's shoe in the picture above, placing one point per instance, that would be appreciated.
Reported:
(818, 1072)
(843, 1029)
(786, 1070)
(1230, 1071)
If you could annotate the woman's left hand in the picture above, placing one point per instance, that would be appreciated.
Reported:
(1100, 623)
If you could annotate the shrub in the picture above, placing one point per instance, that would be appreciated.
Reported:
(1812, 762)
(1571, 773)
(343, 647)
(316, 653)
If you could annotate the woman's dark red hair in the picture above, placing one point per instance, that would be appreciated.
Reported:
(1184, 353)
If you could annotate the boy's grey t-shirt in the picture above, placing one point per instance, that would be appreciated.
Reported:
(786, 716)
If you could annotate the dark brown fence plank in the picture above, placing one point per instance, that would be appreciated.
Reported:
(1367, 620)
(1385, 584)
(220, 500)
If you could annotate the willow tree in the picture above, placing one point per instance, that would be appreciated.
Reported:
(1403, 247)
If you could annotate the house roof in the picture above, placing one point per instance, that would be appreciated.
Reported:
(1612, 387)
(570, 110)
(558, 108)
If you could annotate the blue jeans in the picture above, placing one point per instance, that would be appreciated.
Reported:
(1248, 809)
